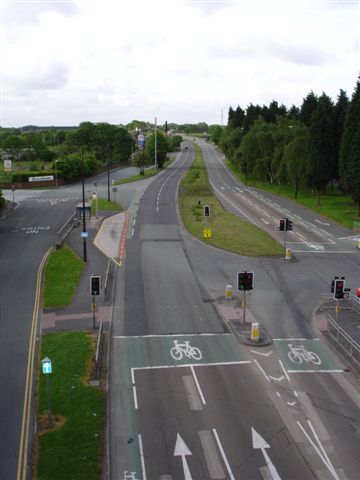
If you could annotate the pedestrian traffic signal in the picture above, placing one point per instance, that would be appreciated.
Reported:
(339, 289)
(95, 285)
(282, 225)
(245, 280)
(289, 224)
(206, 210)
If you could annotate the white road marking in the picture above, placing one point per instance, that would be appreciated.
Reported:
(192, 393)
(277, 379)
(293, 339)
(262, 370)
(188, 365)
(322, 223)
(319, 449)
(295, 393)
(225, 460)
(142, 457)
(284, 370)
(182, 450)
(259, 443)
(316, 371)
(261, 353)
(265, 221)
(198, 385)
(291, 404)
(278, 394)
(135, 398)
(180, 335)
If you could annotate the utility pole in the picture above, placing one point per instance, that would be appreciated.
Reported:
(156, 164)
(108, 171)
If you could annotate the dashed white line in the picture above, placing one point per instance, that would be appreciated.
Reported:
(198, 385)
(142, 457)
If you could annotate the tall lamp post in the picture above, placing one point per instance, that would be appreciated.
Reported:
(156, 164)
(108, 171)
(83, 209)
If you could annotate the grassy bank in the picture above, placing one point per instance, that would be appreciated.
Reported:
(334, 204)
(73, 448)
(228, 231)
(62, 274)
(147, 173)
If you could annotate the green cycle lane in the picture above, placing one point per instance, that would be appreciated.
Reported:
(306, 355)
(159, 351)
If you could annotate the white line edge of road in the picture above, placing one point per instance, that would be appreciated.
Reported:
(338, 370)
(231, 476)
(293, 339)
(198, 385)
(142, 457)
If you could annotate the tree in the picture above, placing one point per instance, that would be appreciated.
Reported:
(296, 155)
(215, 133)
(351, 125)
(307, 108)
(13, 144)
(340, 110)
(161, 148)
(322, 145)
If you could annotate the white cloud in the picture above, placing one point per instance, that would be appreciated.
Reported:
(177, 60)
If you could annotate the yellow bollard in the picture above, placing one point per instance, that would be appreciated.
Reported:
(229, 292)
(337, 309)
(288, 254)
(255, 332)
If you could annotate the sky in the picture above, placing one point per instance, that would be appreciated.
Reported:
(64, 62)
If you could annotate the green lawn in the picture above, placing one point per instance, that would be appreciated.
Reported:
(104, 204)
(333, 204)
(62, 274)
(147, 173)
(228, 231)
(73, 450)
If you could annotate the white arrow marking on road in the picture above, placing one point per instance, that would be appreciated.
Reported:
(322, 223)
(261, 353)
(259, 443)
(278, 379)
(181, 450)
(291, 404)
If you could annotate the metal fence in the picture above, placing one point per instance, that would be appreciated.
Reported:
(347, 343)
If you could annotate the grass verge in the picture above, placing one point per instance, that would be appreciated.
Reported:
(72, 449)
(228, 231)
(104, 204)
(62, 274)
(147, 173)
(334, 205)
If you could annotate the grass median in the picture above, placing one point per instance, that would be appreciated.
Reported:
(72, 448)
(228, 231)
(333, 204)
(62, 275)
(104, 204)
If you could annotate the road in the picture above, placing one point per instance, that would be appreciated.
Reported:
(187, 400)
(25, 235)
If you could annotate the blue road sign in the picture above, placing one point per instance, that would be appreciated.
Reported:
(84, 234)
(46, 366)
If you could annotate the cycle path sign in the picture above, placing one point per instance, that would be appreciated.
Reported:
(306, 355)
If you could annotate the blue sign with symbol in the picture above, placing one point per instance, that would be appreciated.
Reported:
(84, 234)
(46, 366)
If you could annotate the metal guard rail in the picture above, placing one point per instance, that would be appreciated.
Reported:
(354, 349)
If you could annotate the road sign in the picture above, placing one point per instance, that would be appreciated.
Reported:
(207, 232)
(84, 234)
(46, 366)
(141, 141)
(114, 189)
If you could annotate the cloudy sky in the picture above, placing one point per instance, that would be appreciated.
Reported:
(63, 62)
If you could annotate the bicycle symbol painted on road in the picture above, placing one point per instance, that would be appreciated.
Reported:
(181, 350)
(298, 354)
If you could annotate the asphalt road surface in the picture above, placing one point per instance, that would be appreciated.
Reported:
(187, 401)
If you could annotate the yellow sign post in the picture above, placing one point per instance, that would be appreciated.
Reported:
(207, 232)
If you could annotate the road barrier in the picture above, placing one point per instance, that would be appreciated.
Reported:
(288, 254)
(255, 335)
(65, 231)
(229, 292)
(344, 340)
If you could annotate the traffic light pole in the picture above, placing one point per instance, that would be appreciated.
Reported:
(94, 309)
(244, 305)
(285, 239)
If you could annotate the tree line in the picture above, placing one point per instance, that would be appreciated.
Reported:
(316, 145)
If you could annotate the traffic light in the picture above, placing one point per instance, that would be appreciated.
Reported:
(95, 285)
(289, 224)
(282, 225)
(245, 280)
(339, 289)
(333, 284)
(206, 210)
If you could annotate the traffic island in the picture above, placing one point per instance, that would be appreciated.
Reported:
(243, 332)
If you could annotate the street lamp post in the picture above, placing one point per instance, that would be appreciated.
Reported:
(56, 177)
(108, 173)
(156, 164)
(83, 210)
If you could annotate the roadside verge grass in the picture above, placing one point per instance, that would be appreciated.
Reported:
(228, 231)
(104, 204)
(62, 275)
(334, 204)
(147, 173)
(72, 449)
